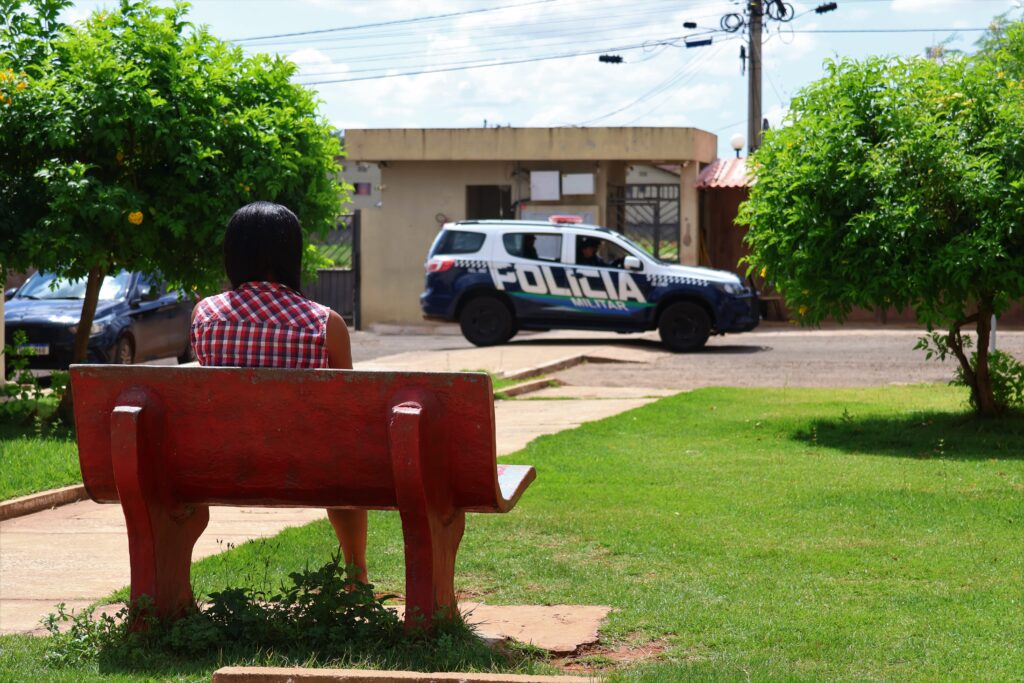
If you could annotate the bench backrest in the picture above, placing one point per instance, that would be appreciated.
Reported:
(247, 436)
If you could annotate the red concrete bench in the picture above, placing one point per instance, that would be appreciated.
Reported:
(167, 442)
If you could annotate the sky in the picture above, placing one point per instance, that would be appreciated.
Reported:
(403, 63)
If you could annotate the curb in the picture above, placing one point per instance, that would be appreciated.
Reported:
(529, 387)
(544, 368)
(37, 502)
(245, 674)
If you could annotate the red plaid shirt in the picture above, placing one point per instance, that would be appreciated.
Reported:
(261, 325)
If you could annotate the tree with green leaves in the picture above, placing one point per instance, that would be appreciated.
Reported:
(900, 182)
(128, 140)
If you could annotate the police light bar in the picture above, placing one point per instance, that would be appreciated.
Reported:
(565, 219)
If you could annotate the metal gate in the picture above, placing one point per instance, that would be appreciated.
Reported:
(338, 287)
(649, 215)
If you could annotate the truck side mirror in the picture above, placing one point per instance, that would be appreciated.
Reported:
(632, 263)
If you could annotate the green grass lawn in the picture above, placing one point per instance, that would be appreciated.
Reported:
(862, 534)
(29, 464)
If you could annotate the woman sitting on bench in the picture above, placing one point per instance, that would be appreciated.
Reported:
(264, 321)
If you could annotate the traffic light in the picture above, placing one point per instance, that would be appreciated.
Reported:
(610, 59)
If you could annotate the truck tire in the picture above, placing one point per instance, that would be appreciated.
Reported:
(486, 321)
(684, 326)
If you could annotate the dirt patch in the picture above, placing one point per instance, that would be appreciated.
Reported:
(597, 657)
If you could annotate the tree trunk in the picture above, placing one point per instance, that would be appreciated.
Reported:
(984, 399)
(92, 296)
(81, 347)
(977, 377)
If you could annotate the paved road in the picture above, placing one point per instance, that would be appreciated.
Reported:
(770, 356)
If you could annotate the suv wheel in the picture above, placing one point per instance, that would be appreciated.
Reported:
(486, 321)
(124, 352)
(684, 326)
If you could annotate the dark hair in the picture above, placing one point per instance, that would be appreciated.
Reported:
(264, 242)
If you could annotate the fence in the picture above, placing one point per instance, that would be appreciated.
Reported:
(338, 286)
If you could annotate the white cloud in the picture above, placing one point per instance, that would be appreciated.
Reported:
(923, 5)
(310, 57)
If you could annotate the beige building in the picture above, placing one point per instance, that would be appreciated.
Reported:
(429, 177)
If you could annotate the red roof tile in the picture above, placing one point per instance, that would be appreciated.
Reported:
(724, 173)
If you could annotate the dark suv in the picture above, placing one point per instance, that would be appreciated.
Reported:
(136, 319)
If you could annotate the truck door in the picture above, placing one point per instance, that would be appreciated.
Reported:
(606, 293)
(528, 265)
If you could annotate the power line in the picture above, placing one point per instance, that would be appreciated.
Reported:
(491, 28)
(467, 66)
(887, 30)
(393, 22)
(674, 79)
(679, 82)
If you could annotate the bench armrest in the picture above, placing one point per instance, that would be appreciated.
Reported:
(512, 481)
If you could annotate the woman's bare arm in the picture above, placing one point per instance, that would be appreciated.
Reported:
(339, 348)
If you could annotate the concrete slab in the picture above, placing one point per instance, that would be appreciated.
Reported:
(79, 553)
(519, 422)
(244, 674)
(559, 629)
(571, 391)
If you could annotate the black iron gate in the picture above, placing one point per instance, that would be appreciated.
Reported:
(649, 215)
(338, 286)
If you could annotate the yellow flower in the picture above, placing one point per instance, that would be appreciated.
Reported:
(764, 271)
(4, 99)
(7, 75)
(120, 157)
(135, 218)
(803, 310)
(21, 86)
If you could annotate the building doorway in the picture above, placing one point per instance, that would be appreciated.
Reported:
(488, 201)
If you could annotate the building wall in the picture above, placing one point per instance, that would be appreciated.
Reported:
(418, 197)
(355, 172)
(424, 175)
(640, 145)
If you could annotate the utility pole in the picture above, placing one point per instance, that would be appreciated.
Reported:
(754, 76)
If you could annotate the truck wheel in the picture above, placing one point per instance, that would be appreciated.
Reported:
(684, 326)
(486, 321)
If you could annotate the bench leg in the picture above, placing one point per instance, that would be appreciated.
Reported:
(161, 535)
(431, 528)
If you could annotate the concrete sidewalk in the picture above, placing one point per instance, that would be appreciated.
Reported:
(78, 553)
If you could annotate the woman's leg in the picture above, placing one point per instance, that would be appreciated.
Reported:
(350, 528)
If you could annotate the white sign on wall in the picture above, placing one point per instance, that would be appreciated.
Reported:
(544, 186)
(578, 183)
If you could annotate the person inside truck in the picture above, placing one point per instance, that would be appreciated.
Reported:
(586, 252)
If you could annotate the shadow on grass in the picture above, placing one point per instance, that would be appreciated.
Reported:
(453, 649)
(940, 435)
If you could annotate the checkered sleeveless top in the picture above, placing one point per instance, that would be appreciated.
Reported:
(260, 325)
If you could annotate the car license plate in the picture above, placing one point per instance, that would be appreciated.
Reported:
(35, 349)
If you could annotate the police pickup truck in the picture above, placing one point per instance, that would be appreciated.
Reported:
(496, 277)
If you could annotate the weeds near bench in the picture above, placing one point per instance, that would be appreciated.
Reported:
(324, 614)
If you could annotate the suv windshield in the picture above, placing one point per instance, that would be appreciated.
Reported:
(49, 286)
(644, 251)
